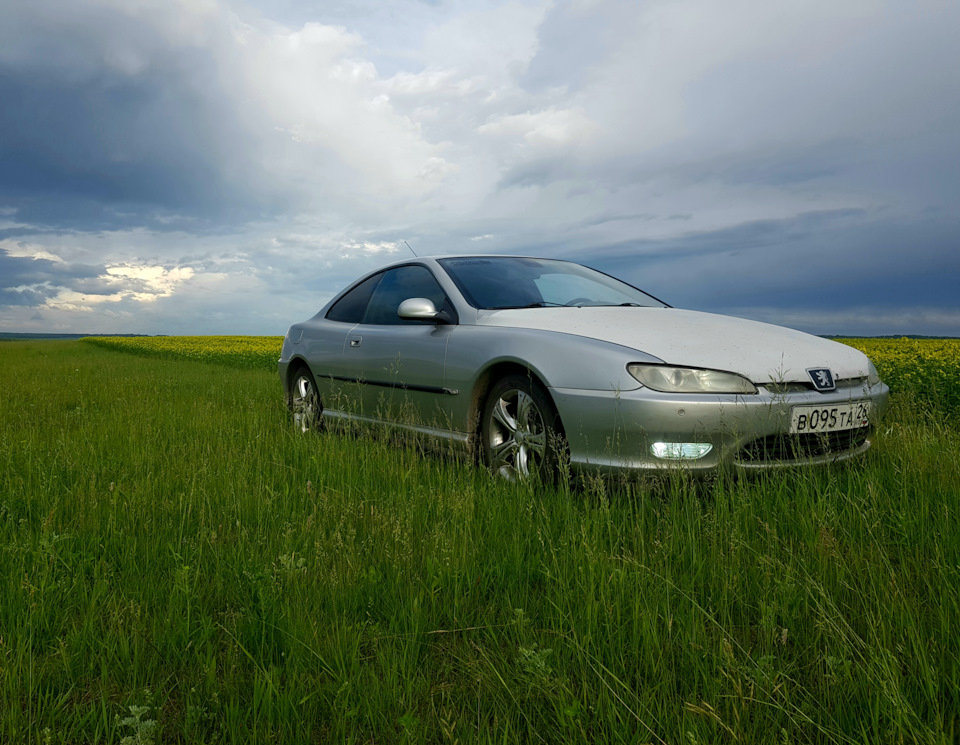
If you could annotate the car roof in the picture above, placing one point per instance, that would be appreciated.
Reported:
(436, 258)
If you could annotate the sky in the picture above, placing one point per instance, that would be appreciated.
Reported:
(226, 166)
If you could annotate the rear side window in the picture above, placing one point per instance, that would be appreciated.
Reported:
(351, 307)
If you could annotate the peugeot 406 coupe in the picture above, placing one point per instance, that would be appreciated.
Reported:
(533, 362)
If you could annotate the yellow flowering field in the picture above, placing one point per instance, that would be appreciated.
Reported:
(236, 351)
(928, 367)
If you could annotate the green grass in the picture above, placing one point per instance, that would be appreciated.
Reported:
(172, 551)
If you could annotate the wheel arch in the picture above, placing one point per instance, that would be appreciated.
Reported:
(294, 365)
(487, 379)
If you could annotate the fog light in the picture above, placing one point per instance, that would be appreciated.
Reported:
(678, 450)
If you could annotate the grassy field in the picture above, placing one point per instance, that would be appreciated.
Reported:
(178, 565)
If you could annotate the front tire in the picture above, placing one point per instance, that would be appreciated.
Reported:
(305, 401)
(522, 435)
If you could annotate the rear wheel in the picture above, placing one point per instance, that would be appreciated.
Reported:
(305, 401)
(522, 435)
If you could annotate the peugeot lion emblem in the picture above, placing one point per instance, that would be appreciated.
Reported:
(822, 378)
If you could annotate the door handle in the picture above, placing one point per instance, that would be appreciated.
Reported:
(355, 341)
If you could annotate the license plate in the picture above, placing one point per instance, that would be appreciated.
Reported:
(833, 418)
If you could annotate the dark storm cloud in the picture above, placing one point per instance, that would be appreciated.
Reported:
(89, 144)
(30, 293)
(822, 261)
(16, 271)
(107, 152)
(26, 296)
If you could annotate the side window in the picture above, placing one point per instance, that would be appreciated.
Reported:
(398, 285)
(351, 307)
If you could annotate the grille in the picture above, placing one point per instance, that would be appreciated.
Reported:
(844, 383)
(783, 388)
(802, 447)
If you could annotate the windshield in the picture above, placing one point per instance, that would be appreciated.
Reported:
(500, 282)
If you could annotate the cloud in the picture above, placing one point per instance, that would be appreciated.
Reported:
(182, 110)
(38, 278)
(23, 250)
(225, 165)
(326, 102)
(806, 271)
(547, 129)
(430, 82)
(870, 320)
(492, 42)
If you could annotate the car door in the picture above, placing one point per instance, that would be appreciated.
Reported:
(324, 347)
(400, 363)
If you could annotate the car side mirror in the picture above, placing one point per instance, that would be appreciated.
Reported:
(421, 309)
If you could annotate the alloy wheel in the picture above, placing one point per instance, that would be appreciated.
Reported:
(305, 402)
(516, 435)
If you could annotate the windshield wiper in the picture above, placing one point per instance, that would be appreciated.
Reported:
(537, 304)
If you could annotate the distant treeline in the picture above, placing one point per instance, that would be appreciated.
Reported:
(886, 336)
(18, 336)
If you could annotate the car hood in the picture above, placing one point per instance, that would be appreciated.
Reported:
(759, 351)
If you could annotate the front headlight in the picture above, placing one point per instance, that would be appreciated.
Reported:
(873, 377)
(689, 379)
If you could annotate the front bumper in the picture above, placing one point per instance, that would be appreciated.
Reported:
(614, 431)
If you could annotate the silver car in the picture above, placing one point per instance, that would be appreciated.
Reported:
(534, 363)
